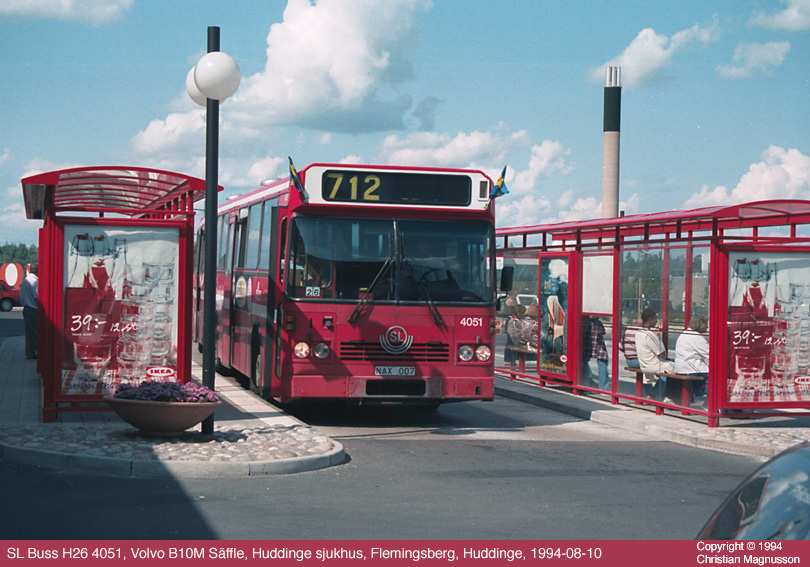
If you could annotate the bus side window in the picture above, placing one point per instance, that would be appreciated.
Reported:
(253, 237)
(282, 251)
(241, 237)
(222, 241)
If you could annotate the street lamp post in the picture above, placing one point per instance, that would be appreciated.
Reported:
(215, 77)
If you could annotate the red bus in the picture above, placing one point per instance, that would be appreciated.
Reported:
(372, 284)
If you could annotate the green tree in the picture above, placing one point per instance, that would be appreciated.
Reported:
(18, 254)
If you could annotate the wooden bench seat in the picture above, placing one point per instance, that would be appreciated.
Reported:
(685, 380)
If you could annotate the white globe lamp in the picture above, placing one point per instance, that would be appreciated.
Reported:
(193, 91)
(217, 75)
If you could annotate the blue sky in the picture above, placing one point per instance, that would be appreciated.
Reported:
(715, 99)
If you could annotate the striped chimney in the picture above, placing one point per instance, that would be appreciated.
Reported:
(610, 142)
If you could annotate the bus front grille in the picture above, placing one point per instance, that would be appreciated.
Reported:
(374, 352)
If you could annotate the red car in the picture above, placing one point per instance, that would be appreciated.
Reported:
(9, 296)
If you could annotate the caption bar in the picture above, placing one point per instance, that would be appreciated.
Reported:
(602, 553)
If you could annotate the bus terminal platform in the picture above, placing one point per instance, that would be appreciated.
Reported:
(254, 438)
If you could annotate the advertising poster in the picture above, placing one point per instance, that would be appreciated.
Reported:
(120, 307)
(553, 315)
(769, 327)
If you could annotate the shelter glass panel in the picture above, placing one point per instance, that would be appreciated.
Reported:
(519, 334)
(553, 317)
(120, 307)
(768, 327)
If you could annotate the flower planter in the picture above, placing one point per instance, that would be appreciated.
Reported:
(162, 419)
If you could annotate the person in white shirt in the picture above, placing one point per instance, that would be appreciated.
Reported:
(692, 352)
(652, 356)
(28, 299)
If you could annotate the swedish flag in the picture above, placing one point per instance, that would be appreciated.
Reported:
(500, 186)
(296, 181)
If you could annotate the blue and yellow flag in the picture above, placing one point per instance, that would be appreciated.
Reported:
(296, 182)
(500, 186)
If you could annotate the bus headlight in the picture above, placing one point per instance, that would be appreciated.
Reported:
(301, 350)
(483, 353)
(321, 350)
(465, 353)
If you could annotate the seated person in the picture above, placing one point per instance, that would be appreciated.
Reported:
(523, 330)
(628, 347)
(652, 356)
(692, 353)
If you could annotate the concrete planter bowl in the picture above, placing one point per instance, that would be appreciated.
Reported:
(161, 419)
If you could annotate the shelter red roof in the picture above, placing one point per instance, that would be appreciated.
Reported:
(124, 190)
(756, 214)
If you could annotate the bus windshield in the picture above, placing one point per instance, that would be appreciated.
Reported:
(390, 260)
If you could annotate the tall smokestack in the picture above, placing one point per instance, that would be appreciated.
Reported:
(610, 142)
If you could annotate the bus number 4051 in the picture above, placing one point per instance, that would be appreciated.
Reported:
(472, 322)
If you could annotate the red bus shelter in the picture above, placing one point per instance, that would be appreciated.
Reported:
(745, 267)
(115, 254)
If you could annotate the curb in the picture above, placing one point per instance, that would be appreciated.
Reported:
(140, 468)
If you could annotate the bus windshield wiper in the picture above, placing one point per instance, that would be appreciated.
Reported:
(434, 311)
(420, 285)
(368, 295)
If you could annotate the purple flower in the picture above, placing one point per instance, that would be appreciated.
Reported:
(151, 391)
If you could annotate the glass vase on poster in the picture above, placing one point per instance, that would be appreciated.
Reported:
(553, 315)
(769, 328)
(120, 307)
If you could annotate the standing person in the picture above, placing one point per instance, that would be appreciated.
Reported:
(596, 348)
(28, 299)
(692, 353)
(652, 356)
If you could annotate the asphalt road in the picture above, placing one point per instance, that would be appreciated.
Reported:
(499, 470)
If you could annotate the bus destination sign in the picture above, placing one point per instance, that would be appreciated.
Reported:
(396, 188)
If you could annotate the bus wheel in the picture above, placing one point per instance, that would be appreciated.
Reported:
(256, 373)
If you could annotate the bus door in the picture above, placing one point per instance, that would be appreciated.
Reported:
(226, 307)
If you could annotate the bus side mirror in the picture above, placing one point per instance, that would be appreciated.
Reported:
(507, 278)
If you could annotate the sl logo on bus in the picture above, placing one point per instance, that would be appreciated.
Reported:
(396, 340)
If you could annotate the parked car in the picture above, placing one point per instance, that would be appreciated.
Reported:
(9, 296)
(772, 503)
(526, 299)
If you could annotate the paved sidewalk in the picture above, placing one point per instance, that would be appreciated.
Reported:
(761, 438)
(251, 436)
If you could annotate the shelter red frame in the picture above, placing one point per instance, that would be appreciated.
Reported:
(733, 235)
(107, 196)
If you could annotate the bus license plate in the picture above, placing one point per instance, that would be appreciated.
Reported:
(394, 371)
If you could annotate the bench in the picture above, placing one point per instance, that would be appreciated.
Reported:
(685, 380)
(521, 355)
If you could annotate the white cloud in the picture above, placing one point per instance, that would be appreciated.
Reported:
(446, 151)
(163, 135)
(795, 17)
(266, 168)
(90, 11)
(645, 57)
(5, 156)
(327, 62)
(546, 159)
(782, 174)
(751, 57)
